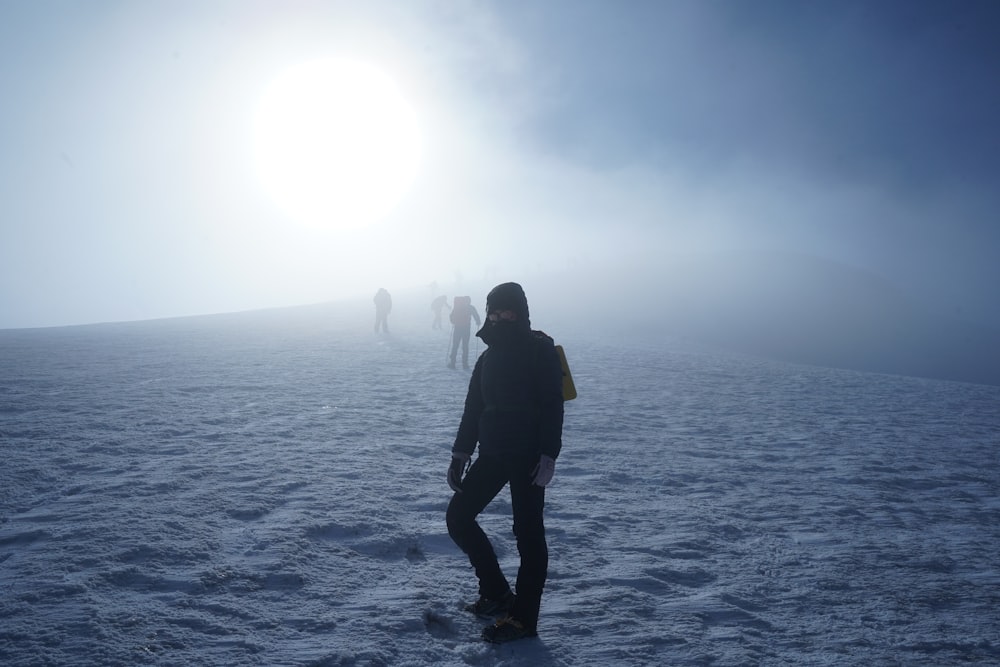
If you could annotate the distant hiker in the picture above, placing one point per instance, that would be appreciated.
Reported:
(383, 305)
(514, 410)
(437, 305)
(461, 317)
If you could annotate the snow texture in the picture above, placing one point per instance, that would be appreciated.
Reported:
(269, 489)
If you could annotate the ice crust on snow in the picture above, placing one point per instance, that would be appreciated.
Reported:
(268, 489)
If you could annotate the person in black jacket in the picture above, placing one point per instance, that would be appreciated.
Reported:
(514, 410)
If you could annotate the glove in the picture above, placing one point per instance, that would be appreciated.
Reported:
(543, 471)
(460, 463)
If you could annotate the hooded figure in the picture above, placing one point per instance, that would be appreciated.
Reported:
(514, 411)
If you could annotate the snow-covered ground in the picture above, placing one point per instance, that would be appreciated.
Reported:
(268, 489)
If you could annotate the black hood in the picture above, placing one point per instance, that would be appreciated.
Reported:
(508, 296)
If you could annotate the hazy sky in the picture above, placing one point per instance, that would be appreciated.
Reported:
(551, 134)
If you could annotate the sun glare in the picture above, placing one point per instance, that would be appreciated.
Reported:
(336, 143)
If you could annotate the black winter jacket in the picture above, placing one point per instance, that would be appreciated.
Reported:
(514, 404)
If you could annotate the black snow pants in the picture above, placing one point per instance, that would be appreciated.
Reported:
(485, 479)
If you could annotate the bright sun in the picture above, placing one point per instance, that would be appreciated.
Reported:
(336, 143)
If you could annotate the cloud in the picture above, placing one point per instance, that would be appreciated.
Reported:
(559, 135)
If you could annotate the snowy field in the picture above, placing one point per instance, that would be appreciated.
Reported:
(269, 489)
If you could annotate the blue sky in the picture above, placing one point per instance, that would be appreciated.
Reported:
(555, 133)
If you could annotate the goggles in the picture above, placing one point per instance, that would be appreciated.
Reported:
(502, 316)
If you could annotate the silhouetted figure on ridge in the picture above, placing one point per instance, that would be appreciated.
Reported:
(383, 305)
(462, 315)
(437, 305)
